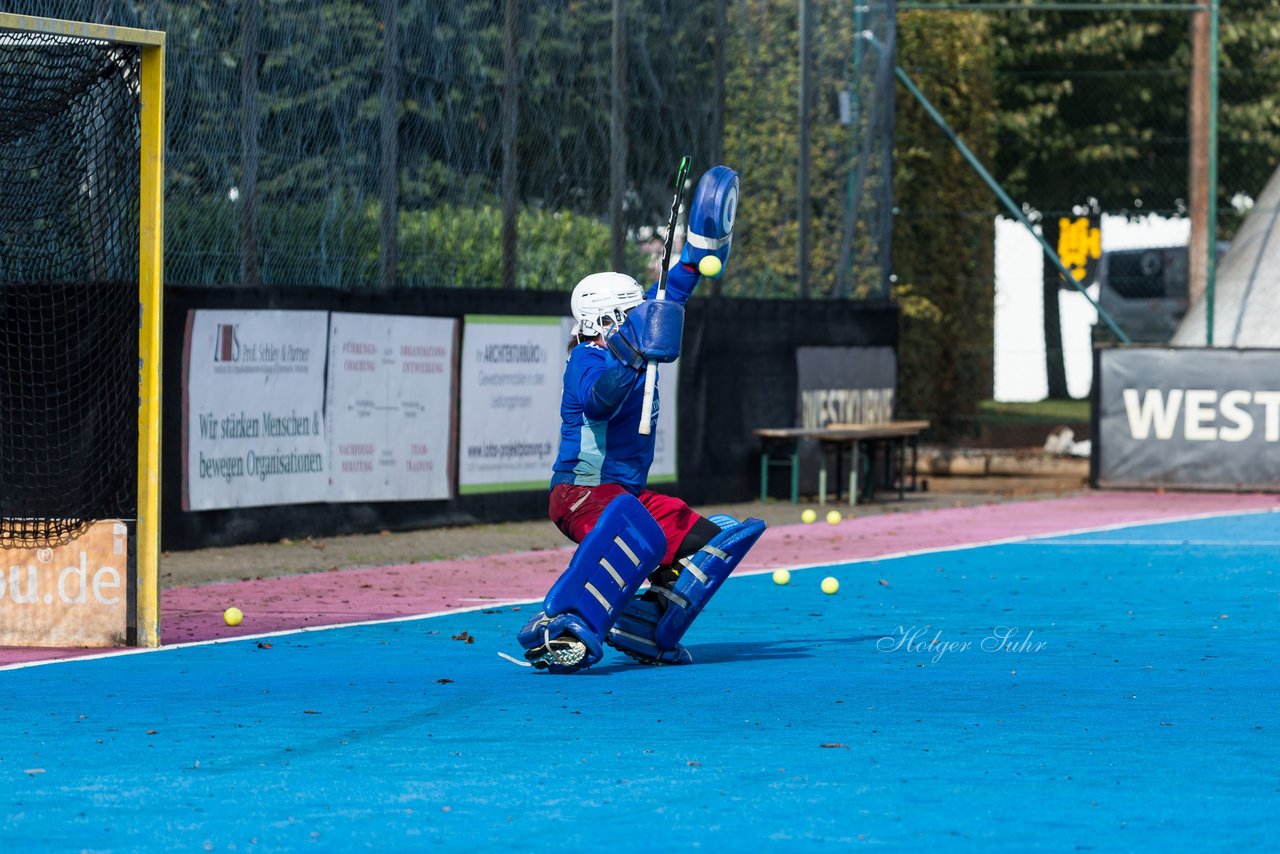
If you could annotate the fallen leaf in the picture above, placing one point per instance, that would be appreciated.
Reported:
(263, 645)
(884, 583)
(310, 712)
(444, 681)
(834, 744)
(152, 732)
(696, 764)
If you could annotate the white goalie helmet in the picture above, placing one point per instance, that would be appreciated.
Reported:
(601, 301)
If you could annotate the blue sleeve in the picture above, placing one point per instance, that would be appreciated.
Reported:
(681, 280)
(601, 382)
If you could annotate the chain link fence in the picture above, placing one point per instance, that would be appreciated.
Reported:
(456, 143)
(412, 143)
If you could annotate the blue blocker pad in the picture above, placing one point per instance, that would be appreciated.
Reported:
(711, 216)
(651, 332)
(607, 569)
(650, 629)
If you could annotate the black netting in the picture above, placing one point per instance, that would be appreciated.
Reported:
(69, 166)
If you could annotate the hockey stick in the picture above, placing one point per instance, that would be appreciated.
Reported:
(651, 371)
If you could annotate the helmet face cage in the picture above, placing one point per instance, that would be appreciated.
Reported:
(600, 302)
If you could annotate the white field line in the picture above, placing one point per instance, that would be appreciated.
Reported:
(1029, 539)
(1245, 544)
(116, 653)
(1026, 538)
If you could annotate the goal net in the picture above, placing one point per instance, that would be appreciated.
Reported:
(79, 256)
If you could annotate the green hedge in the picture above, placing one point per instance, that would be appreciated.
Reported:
(331, 245)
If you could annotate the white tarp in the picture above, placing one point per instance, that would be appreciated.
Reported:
(390, 407)
(1246, 298)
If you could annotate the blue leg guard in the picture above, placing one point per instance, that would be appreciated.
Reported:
(651, 627)
(608, 568)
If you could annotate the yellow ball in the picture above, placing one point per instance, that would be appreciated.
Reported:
(781, 576)
(830, 585)
(833, 517)
(710, 266)
(809, 516)
(232, 616)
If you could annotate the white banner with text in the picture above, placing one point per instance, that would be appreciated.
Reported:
(253, 423)
(389, 410)
(510, 402)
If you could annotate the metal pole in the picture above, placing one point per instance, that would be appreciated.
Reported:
(510, 150)
(720, 52)
(389, 131)
(1198, 192)
(250, 30)
(844, 287)
(1101, 6)
(618, 138)
(802, 172)
(1211, 267)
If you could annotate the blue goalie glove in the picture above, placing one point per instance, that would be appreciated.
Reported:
(651, 332)
(711, 216)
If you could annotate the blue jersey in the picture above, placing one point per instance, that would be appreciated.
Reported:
(600, 441)
(597, 444)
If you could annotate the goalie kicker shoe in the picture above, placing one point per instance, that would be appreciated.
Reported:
(564, 651)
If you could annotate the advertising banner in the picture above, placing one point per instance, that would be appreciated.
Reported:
(845, 385)
(511, 376)
(390, 405)
(1190, 417)
(663, 469)
(510, 403)
(253, 424)
(72, 594)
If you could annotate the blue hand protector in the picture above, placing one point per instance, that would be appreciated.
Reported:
(711, 216)
(651, 332)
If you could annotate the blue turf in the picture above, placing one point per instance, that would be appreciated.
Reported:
(1147, 721)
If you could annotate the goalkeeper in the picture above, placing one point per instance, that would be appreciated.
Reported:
(626, 533)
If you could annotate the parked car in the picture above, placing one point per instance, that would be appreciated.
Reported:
(1144, 291)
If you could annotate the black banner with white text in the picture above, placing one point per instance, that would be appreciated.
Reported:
(1191, 417)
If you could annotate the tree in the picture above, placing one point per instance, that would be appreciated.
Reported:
(1095, 105)
(944, 233)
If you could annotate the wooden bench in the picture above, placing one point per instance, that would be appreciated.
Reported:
(781, 446)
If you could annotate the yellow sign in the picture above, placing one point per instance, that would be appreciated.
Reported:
(75, 594)
(1079, 242)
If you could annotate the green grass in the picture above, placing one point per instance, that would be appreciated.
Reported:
(1055, 411)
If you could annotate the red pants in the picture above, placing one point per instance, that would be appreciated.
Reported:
(575, 510)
